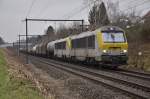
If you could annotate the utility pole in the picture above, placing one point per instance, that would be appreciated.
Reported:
(82, 25)
(27, 41)
(13, 44)
(19, 46)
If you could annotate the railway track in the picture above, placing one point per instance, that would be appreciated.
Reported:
(145, 76)
(134, 74)
(126, 86)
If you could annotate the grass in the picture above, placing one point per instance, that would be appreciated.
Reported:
(15, 88)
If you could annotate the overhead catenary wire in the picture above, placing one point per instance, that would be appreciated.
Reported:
(84, 7)
(43, 10)
(30, 8)
(140, 4)
(137, 4)
(72, 13)
(148, 8)
(127, 2)
(81, 9)
(124, 10)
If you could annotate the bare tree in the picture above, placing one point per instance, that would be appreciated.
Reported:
(50, 31)
(113, 10)
(64, 31)
(1, 41)
(61, 32)
(98, 16)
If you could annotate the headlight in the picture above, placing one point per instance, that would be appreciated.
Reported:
(104, 51)
(125, 51)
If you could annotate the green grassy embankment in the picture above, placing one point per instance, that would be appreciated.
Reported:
(15, 88)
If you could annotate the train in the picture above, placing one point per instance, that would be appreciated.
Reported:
(106, 45)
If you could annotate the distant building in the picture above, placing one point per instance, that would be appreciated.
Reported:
(146, 17)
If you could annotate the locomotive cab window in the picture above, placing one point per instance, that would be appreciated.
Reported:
(113, 37)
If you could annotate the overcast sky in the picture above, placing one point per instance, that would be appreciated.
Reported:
(13, 12)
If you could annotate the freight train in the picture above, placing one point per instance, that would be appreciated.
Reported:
(107, 45)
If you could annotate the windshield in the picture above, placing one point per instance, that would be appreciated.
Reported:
(115, 37)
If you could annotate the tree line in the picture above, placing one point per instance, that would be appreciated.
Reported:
(99, 16)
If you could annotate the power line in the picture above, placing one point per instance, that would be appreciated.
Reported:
(127, 2)
(136, 4)
(81, 9)
(71, 12)
(84, 7)
(44, 9)
(148, 8)
(140, 4)
(30, 8)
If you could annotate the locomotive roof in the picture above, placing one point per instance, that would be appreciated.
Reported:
(88, 33)
(84, 34)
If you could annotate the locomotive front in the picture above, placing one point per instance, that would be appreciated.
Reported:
(113, 45)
